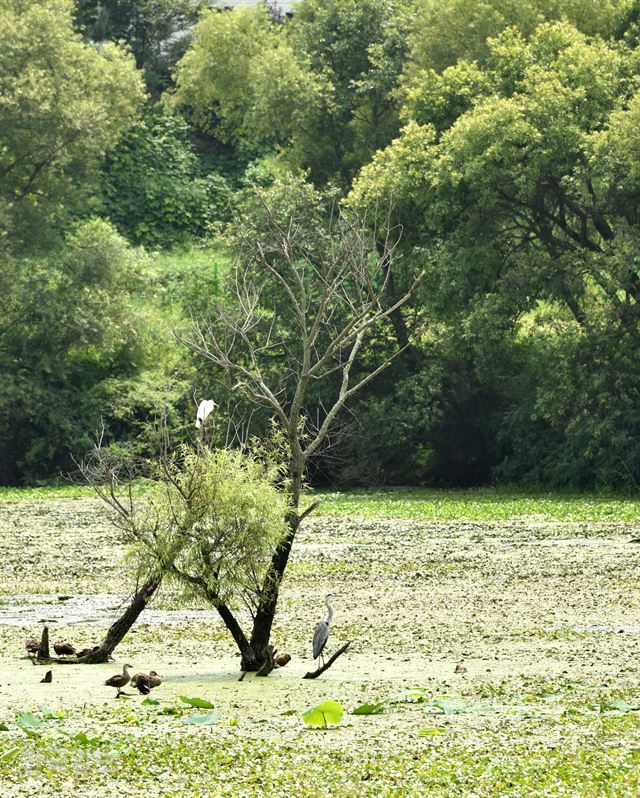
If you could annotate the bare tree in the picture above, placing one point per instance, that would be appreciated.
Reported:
(306, 297)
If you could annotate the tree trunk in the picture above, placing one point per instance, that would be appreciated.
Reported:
(119, 629)
(43, 648)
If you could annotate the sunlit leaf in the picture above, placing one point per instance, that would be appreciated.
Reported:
(432, 732)
(153, 702)
(51, 714)
(329, 713)
(10, 755)
(200, 703)
(82, 739)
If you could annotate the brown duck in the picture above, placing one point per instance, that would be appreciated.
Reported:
(145, 682)
(32, 645)
(64, 649)
(120, 680)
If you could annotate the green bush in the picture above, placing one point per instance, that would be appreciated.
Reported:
(74, 342)
(155, 191)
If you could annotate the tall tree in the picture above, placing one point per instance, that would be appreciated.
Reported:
(307, 294)
(157, 31)
(321, 86)
(63, 105)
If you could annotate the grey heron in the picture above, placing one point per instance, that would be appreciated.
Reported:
(321, 634)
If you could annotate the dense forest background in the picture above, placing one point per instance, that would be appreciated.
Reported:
(497, 142)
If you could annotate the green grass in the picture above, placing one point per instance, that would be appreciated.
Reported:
(426, 504)
(478, 504)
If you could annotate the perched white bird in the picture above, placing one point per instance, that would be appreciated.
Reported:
(204, 409)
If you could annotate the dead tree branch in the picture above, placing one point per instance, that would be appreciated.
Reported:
(319, 671)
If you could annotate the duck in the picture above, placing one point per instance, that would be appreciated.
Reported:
(145, 682)
(120, 680)
(63, 649)
(32, 645)
(155, 680)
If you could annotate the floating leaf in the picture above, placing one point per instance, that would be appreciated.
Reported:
(82, 739)
(432, 732)
(26, 720)
(200, 703)
(369, 709)
(4, 727)
(289, 712)
(51, 714)
(323, 715)
(618, 704)
(9, 755)
(209, 719)
(153, 702)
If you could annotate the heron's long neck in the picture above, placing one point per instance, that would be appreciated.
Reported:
(330, 611)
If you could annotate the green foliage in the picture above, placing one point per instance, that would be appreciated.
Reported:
(155, 190)
(200, 703)
(69, 321)
(155, 30)
(63, 105)
(211, 521)
(328, 713)
(512, 174)
(322, 85)
(447, 31)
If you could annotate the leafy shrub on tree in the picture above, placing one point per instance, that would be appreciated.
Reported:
(211, 521)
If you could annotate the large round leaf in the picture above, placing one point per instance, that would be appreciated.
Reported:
(329, 713)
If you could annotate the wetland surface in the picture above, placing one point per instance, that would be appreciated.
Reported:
(503, 655)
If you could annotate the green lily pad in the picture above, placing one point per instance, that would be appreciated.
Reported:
(329, 713)
(26, 720)
(200, 703)
(210, 719)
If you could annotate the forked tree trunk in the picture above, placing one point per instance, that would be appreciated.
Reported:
(119, 629)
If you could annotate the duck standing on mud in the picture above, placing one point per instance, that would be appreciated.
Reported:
(120, 680)
(63, 649)
(144, 682)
